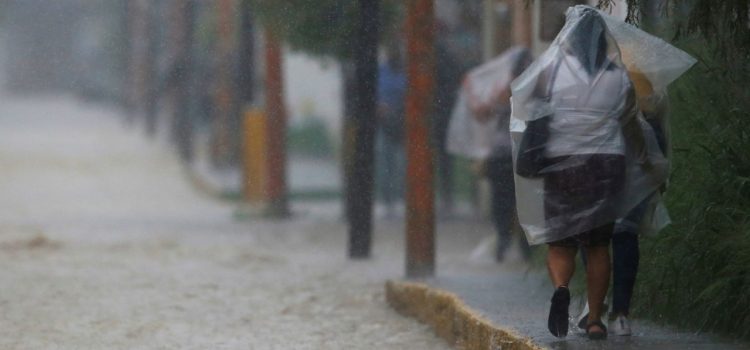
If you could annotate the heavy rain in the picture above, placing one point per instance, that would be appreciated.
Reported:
(374, 174)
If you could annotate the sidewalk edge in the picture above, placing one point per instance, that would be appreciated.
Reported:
(451, 319)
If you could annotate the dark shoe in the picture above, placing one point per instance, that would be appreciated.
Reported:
(596, 335)
(558, 312)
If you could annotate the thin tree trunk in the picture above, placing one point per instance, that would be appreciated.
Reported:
(276, 129)
(246, 70)
(420, 216)
(223, 144)
(522, 23)
(180, 76)
(362, 168)
(348, 136)
(151, 99)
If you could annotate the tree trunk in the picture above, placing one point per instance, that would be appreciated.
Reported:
(151, 99)
(224, 145)
(420, 216)
(276, 129)
(348, 136)
(522, 24)
(246, 70)
(180, 76)
(361, 171)
(142, 62)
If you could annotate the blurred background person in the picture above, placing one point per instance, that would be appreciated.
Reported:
(448, 73)
(479, 131)
(390, 158)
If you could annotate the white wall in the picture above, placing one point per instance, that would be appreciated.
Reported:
(316, 83)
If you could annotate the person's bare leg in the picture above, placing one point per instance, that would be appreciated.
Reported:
(561, 264)
(597, 280)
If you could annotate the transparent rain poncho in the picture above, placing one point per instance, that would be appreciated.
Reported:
(479, 122)
(584, 153)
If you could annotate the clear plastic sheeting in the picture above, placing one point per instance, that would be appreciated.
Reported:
(477, 127)
(585, 152)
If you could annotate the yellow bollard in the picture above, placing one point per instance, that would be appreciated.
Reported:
(255, 164)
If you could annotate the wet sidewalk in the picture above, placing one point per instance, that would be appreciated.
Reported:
(514, 302)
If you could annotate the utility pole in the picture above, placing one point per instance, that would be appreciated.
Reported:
(420, 216)
(362, 168)
(276, 129)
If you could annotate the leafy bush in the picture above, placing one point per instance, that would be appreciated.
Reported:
(696, 274)
(310, 138)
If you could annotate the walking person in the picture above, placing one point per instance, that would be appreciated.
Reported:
(578, 108)
(664, 64)
(390, 112)
(479, 130)
(448, 79)
(628, 229)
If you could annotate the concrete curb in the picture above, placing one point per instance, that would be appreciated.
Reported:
(451, 319)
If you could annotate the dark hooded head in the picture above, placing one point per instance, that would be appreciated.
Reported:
(587, 40)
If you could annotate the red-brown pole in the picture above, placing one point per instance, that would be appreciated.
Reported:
(276, 128)
(420, 223)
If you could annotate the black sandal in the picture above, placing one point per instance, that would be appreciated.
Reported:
(598, 335)
(557, 323)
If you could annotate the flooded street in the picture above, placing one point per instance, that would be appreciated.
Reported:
(104, 244)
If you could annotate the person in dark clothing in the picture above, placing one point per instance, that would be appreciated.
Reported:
(448, 80)
(479, 130)
(498, 169)
(390, 148)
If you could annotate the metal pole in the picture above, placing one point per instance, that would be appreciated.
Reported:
(420, 223)
(276, 129)
(361, 171)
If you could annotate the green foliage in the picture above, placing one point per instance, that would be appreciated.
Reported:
(310, 138)
(727, 20)
(320, 27)
(697, 273)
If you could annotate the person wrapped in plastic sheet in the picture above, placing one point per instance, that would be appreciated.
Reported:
(582, 156)
(652, 65)
(479, 130)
